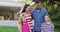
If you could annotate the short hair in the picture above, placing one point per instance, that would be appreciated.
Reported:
(37, 1)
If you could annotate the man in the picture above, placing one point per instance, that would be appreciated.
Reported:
(38, 14)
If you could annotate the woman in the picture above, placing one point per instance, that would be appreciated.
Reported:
(26, 19)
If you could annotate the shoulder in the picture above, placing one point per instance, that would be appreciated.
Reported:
(52, 24)
(44, 9)
(43, 23)
(22, 14)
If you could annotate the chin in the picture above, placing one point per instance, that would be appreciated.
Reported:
(37, 8)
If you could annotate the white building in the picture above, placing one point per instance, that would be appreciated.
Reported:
(8, 12)
(9, 9)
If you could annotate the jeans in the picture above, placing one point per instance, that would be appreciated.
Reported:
(32, 30)
(35, 31)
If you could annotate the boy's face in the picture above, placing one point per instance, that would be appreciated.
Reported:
(47, 18)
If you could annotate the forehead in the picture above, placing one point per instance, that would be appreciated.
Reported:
(29, 7)
(37, 3)
(46, 16)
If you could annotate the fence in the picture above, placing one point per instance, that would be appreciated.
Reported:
(8, 23)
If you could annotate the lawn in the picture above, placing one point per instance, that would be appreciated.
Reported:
(8, 29)
(15, 29)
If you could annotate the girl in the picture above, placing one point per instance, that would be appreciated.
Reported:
(47, 26)
(26, 19)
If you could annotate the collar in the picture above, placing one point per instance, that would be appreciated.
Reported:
(39, 9)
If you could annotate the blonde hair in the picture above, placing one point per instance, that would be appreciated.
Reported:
(48, 17)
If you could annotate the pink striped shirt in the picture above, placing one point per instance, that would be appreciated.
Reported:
(28, 19)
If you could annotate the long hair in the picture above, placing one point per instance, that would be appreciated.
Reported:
(24, 9)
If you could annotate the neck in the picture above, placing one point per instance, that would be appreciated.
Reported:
(48, 22)
(26, 11)
(38, 8)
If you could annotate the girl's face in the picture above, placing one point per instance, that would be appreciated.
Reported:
(28, 8)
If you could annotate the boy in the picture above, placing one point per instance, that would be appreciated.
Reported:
(47, 26)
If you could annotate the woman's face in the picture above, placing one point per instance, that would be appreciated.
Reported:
(28, 8)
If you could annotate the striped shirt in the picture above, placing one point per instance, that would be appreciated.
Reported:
(28, 19)
(47, 27)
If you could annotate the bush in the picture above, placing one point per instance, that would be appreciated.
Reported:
(56, 23)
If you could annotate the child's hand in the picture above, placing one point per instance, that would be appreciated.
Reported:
(23, 19)
(41, 30)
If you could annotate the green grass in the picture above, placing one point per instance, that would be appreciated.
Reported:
(8, 29)
(15, 29)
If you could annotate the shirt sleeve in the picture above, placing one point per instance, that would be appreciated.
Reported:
(42, 27)
(32, 15)
(21, 15)
(46, 12)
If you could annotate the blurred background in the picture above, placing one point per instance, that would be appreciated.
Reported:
(10, 10)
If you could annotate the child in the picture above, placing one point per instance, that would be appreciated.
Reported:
(47, 26)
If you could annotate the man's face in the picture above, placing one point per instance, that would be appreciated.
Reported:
(37, 5)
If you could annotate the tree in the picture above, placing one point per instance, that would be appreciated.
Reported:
(26, 1)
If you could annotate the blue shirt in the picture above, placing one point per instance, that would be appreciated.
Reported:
(38, 18)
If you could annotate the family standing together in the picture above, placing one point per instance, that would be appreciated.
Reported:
(42, 22)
